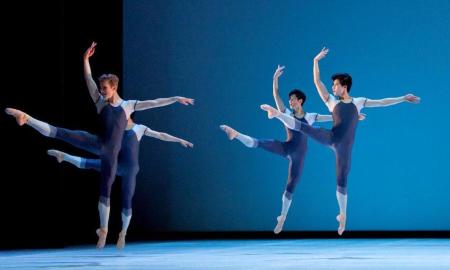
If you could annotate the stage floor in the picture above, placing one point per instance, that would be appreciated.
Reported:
(243, 254)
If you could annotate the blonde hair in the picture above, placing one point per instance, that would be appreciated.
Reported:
(112, 79)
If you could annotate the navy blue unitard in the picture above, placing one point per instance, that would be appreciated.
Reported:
(294, 149)
(128, 163)
(341, 136)
(78, 138)
(113, 120)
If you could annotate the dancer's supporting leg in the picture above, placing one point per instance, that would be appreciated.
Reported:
(279, 148)
(108, 171)
(343, 162)
(128, 188)
(295, 170)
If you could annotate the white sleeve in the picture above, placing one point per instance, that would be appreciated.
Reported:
(359, 102)
(331, 102)
(311, 118)
(129, 107)
(139, 130)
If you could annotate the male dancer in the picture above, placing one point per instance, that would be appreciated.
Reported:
(128, 166)
(114, 113)
(345, 110)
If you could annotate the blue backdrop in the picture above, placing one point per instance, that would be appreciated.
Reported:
(224, 54)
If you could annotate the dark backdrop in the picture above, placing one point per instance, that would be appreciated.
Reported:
(46, 204)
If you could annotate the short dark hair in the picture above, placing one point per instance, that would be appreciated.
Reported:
(299, 94)
(344, 79)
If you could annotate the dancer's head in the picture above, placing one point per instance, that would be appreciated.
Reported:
(342, 83)
(108, 85)
(296, 99)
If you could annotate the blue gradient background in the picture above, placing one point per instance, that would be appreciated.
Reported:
(224, 53)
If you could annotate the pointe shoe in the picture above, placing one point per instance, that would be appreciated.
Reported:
(21, 117)
(57, 154)
(121, 240)
(231, 133)
(281, 219)
(101, 233)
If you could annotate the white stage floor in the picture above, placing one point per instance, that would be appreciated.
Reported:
(243, 254)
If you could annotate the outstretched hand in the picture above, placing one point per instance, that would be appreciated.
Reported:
(362, 116)
(412, 98)
(278, 72)
(322, 54)
(90, 51)
(186, 144)
(185, 101)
